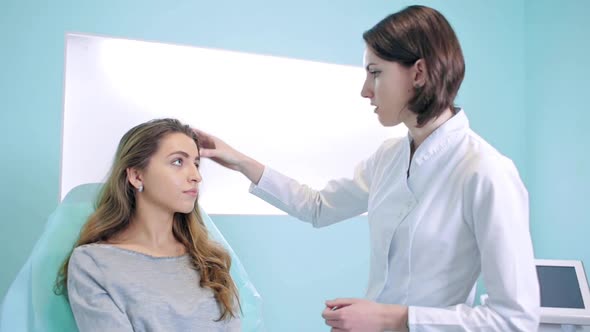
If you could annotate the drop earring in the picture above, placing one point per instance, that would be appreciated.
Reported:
(140, 189)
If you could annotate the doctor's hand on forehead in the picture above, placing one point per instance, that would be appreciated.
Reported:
(220, 152)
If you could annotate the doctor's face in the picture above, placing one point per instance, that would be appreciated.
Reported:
(389, 87)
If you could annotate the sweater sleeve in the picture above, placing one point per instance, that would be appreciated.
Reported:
(92, 306)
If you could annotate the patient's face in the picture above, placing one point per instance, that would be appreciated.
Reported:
(172, 176)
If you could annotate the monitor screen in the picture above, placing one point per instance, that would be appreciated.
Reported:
(559, 287)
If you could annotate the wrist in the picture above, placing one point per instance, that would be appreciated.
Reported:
(407, 318)
(395, 317)
(251, 168)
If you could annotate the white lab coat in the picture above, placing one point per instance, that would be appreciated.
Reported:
(463, 211)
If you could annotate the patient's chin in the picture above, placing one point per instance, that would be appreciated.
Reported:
(186, 209)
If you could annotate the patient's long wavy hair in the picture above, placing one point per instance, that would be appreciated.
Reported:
(116, 206)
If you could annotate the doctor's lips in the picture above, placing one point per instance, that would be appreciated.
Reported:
(376, 107)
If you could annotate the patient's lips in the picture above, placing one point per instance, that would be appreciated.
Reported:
(192, 192)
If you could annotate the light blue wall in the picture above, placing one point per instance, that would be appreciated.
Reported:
(558, 114)
(294, 266)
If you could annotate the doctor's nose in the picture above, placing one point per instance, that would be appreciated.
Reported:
(366, 91)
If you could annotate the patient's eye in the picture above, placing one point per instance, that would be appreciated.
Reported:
(177, 162)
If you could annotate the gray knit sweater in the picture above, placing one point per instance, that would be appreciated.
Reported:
(114, 289)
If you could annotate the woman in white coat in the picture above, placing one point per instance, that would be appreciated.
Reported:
(444, 206)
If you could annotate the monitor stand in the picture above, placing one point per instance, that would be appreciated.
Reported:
(545, 327)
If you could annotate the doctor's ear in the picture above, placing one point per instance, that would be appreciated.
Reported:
(135, 178)
(420, 72)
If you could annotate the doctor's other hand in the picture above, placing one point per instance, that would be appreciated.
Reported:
(220, 152)
(352, 315)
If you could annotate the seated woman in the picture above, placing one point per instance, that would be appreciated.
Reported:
(144, 261)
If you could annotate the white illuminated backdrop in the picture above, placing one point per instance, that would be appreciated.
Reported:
(305, 119)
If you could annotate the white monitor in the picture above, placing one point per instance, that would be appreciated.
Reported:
(565, 298)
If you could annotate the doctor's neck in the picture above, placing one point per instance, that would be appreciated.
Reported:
(420, 134)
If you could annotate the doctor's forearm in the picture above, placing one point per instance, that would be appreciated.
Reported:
(251, 168)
